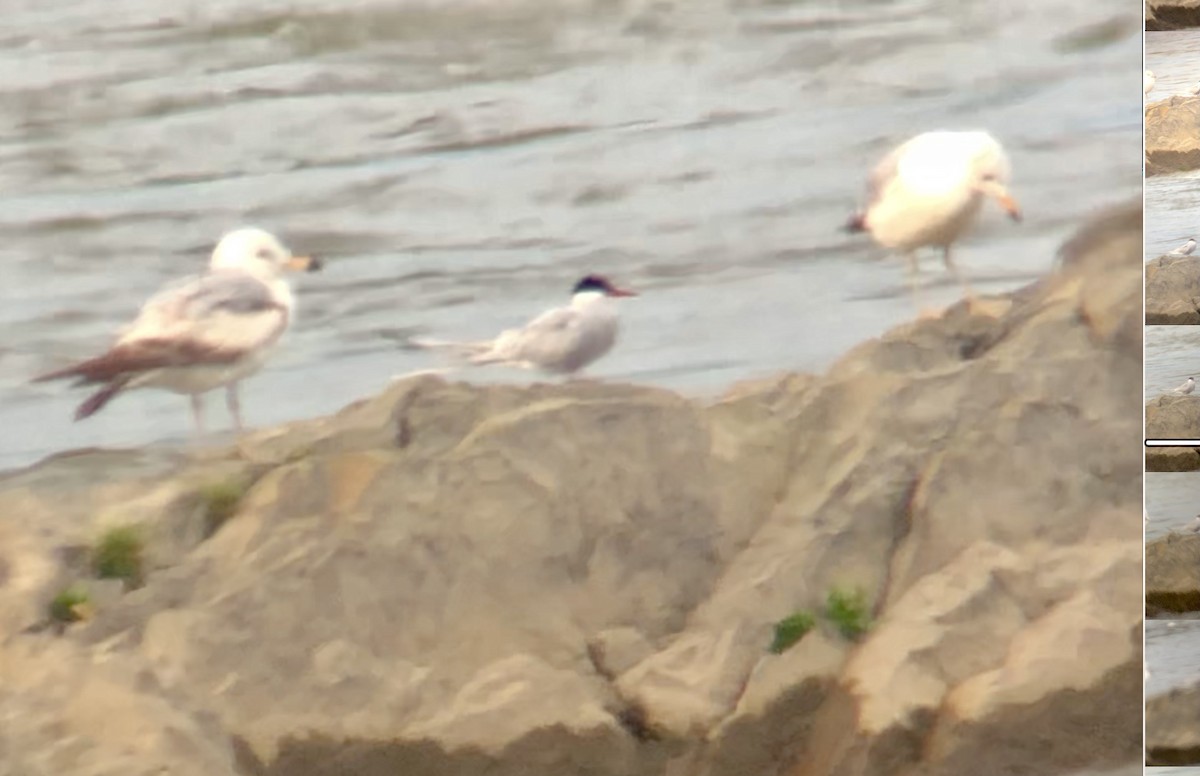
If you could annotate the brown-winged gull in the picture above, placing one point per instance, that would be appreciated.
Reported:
(203, 332)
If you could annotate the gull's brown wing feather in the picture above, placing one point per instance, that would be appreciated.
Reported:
(216, 319)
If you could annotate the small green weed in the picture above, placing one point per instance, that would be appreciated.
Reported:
(70, 605)
(220, 500)
(848, 610)
(119, 555)
(791, 629)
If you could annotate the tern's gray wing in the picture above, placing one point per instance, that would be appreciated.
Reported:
(217, 318)
(564, 339)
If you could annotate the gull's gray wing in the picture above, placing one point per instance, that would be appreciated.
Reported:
(213, 319)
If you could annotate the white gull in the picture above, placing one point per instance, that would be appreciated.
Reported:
(928, 192)
(203, 332)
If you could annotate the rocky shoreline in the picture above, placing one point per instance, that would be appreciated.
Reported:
(1172, 135)
(1172, 459)
(587, 578)
(1170, 416)
(1172, 14)
(1173, 290)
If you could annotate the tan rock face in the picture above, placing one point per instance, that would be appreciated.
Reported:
(584, 578)
(1173, 417)
(1173, 573)
(1173, 135)
(1172, 732)
(1172, 459)
(1173, 290)
(1172, 14)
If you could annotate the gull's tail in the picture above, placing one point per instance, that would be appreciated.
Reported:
(855, 223)
(97, 400)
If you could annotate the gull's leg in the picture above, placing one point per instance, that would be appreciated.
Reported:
(234, 403)
(914, 286)
(198, 413)
(968, 294)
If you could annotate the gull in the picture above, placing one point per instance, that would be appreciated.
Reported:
(1185, 249)
(202, 332)
(562, 340)
(1147, 82)
(1188, 386)
(928, 192)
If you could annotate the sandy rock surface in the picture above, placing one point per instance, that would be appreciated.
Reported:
(585, 578)
(1172, 14)
(1173, 290)
(1172, 134)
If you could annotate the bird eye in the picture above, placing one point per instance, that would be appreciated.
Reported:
(264, 253)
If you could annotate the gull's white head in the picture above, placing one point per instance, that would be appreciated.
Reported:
(989, 171)
(259, 252)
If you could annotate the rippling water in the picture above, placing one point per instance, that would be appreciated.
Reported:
(1172, 653)
(1172, 355)
(1172, 500)
(1172, 213)
(460, 164)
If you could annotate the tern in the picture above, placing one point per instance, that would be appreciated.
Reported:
(1185, 249)
(562, 341)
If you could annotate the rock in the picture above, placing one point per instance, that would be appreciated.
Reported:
(1173, 573)
(1173, 417)
(584, 578)
(1172, 135)
(68, 709)
(1173, 290)
(1172, 459)
(615, 650)
(1173, 728)
(1172, 14)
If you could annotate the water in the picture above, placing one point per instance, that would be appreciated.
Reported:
(1172, 654)
(1172, 212)
(1172, 354)
(1172, 501)
(460, 164)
